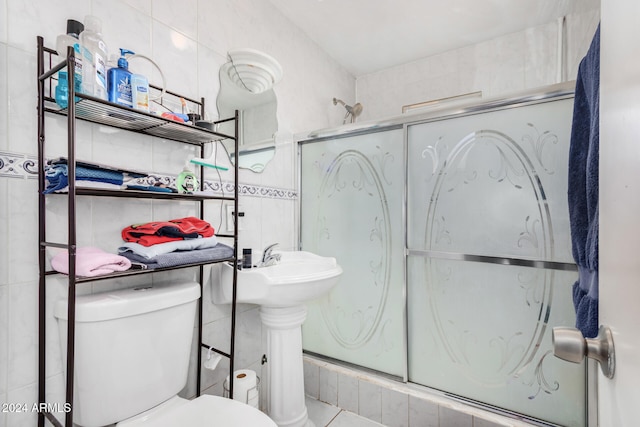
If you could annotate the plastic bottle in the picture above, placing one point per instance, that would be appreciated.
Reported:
(74, 28)
(95, 55)
(140, 92)
(187, 182)
(63, 41)
(62, 89)
(119, 81)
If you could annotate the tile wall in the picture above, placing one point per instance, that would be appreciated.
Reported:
(189, 41)
(389, 402)
(498, 67)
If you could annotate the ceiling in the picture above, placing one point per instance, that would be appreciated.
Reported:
(370, 35)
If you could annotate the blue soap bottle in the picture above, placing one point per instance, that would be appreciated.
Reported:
(119, 81)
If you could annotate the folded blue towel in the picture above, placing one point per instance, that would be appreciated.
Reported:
(583, 188)
(172, 259)
(58, 176)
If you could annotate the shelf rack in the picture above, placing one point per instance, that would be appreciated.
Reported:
(94, 110)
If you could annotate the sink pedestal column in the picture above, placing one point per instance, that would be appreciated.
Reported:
(284, 363)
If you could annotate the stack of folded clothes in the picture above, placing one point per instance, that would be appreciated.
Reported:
(87, 175)
(181, 241)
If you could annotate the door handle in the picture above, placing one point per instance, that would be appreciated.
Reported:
(569, 344)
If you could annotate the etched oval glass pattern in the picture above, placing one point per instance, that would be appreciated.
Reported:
(352, 192)
(486, 191)
(352, 182)
(489, 172)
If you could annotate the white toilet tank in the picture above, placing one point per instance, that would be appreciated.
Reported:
(132, 349)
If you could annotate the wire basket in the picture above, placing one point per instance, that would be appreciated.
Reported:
(250, 396)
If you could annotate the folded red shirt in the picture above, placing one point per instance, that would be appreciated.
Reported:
(150, 233)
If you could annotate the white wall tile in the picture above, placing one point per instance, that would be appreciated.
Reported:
(479, 422)
(370, 400)
(57, 230)
(182, 17)
(56, 394)
(423, 413)
(278, 172)
(177, 56)
(209, 62)
(348, 419)
(4, 102)
(348, 392)
(170, 157)
(125, 26)
(3, 21)
(541, 55)
(23, 395)
(395, 408)
(216, 334)
(23, 317)
(23, 256)
(328, 386)
(452, 418)
(56, 141)
(3, 415)
(311, 379)
(277, 224)
(47, 18)
(4, 337)
(216, 19)
(21, 101)
(497, 67)
(211, 311)
(320, 413)
(501, 62)
(57, 289)
(251, 223)
(467, 70)
(248, 338)
(4, 235)
(143, 6)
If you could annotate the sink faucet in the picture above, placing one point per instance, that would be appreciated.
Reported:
(268, 258)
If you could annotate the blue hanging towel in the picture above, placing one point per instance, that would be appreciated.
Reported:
(583, 188)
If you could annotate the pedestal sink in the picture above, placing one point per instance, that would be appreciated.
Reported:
(282, 290)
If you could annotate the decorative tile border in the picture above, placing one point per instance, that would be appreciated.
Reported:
(14, 165)
(22, 166)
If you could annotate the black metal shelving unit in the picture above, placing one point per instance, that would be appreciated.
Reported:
(91, 109)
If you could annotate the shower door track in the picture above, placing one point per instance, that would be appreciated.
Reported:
(520, 262)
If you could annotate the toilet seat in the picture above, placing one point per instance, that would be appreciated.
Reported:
(204, 411)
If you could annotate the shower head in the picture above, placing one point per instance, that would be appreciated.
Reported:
(355, 110)
(352, 112)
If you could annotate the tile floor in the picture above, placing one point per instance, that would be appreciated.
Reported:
(325, 415)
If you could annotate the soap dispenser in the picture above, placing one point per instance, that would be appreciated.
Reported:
(119, 81)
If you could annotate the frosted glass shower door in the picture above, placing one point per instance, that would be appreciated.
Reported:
(351, 194)
(490, 267)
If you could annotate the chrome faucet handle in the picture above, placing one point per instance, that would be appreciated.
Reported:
(267, 252)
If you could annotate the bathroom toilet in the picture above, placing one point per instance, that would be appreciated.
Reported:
(132, 352)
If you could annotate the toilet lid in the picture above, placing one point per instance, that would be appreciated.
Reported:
(212, 411)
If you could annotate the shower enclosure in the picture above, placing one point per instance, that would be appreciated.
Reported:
(452, 230)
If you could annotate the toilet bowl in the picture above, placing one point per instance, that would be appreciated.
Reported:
(132, 352)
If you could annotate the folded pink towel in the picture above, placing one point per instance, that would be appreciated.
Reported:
(90, 262)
